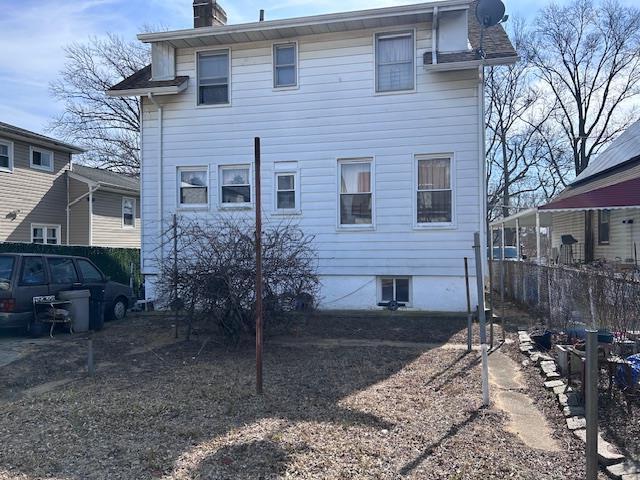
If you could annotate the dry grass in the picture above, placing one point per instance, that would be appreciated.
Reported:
(158, 410)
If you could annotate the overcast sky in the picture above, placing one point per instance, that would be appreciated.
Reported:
(34, 33)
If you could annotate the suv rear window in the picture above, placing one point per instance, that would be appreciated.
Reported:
(6, 270)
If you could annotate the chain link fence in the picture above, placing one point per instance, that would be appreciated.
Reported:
(561, 295)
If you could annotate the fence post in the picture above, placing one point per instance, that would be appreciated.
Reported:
(469, 316)
(482, 318)
(591, 403)
(502, 287)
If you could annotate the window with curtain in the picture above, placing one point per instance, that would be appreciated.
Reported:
(284, 65)
(213, 78)
(193, 187)
(235, 185)
(356, 196)
(434, 192)
(395, 58)
(604, 220)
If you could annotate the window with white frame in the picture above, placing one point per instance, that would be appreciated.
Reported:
(213, 77)
(193, 189)
(46, 234)
(128, 212)
(41, 159)
(6, 156)
(285, 65)
(286, 185)
(395, 62)
(395, 289)
(434, 198)
(235, 185)
(356, 195)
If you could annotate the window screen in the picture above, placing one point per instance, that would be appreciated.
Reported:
(434, 197)
(394, 62)
(284, 62)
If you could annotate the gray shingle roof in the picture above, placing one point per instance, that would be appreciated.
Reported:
(13, 131)
(142, 80)
(107, 178)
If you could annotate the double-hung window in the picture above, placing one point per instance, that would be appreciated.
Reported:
(356, 195)
(395, 62)
(286, 191)
(6, 156)
(193, 187)
(213, 78)
(128, 212)
(235, 185)
(45, 234)
(434, 192)
(285, 65)
(41, 159)
(604, 220)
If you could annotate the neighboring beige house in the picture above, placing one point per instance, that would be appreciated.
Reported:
(44, 198)
(114, 220)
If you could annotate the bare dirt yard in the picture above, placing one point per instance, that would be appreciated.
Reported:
(338, 404)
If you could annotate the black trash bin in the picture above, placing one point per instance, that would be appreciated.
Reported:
(96, 308)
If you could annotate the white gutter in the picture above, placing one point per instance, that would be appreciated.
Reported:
(136, 92)
(434, 36)
(160, 170)
(470, 64)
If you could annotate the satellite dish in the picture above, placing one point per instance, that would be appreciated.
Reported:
(489, 12)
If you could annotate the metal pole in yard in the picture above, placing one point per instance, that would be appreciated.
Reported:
(591, 403)
(502, 287)
(469, 315)
(174, 229)
(258, 269)
(482, 318)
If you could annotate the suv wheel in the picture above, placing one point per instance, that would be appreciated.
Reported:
(119, 309)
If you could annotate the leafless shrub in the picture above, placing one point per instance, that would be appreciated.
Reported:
(211, 270)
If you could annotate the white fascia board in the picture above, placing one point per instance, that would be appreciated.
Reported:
(304, 21)
(143, 92)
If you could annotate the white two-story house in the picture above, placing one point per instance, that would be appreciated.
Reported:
(371, 125)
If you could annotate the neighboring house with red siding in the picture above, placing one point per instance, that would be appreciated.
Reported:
(44, 198)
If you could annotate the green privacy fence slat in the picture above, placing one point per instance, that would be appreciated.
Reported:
(114, 262)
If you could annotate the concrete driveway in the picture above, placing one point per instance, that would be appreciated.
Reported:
(14, 346)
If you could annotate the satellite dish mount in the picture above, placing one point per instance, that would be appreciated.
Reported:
(488, 14)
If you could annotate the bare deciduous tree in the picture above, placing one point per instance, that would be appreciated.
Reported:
(108, 127)
(587, 57)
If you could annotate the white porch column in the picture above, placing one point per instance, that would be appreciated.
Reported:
(518, 238)
(538, 256)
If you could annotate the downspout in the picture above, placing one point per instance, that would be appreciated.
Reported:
(160, 170)
(67, 209)
(92, 188)
(91, 217)
(434, 37)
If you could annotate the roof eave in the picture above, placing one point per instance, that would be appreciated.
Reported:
(51, 144)
(144, 91)
(265, 26)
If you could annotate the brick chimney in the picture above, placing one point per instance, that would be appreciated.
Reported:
(207, 13)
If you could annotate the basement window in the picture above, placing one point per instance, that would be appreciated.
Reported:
(395, 288)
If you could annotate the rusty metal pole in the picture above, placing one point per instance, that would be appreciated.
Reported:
(591, 403)
(258, 268)
(469, 314)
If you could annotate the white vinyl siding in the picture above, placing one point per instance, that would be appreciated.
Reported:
(214, 77)
(332, 115)
(285, 65)
(41, 159)
(6, 156)
(193, 187)
(395, 62)
(46, 234)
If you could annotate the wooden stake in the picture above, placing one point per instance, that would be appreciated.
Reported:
(258, 268)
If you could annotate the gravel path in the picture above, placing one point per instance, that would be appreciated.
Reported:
(160, 409)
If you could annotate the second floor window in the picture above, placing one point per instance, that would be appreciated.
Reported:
(284, 65)
(213, 78)
(41, 159)
(6, 154)
(356, 197)
(235, 186)
(395, 62)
